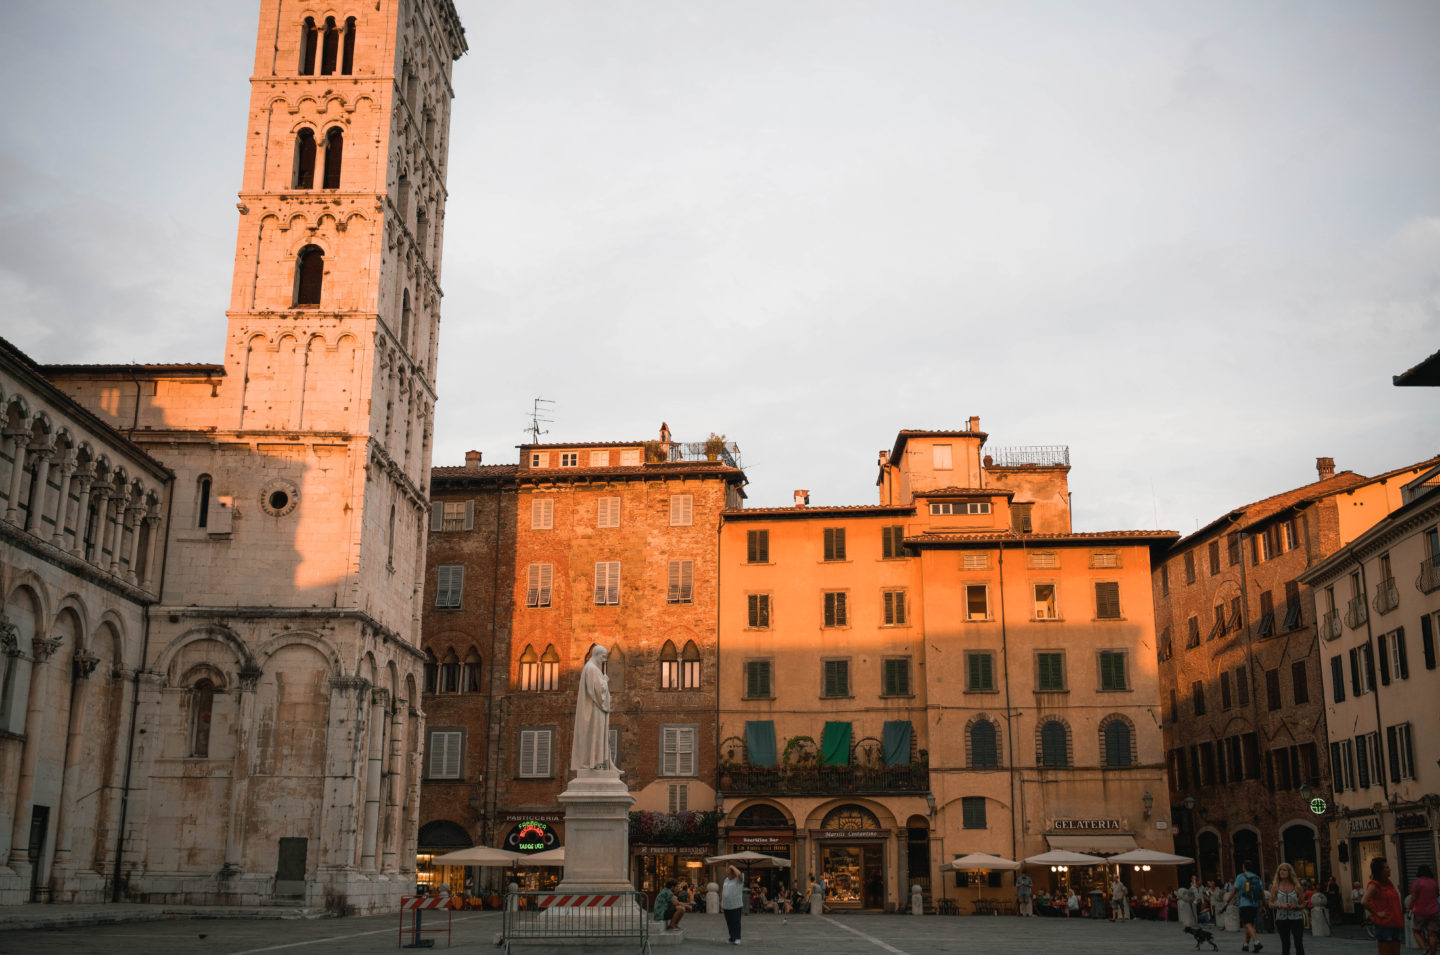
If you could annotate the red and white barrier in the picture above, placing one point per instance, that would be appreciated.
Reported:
(578, 901)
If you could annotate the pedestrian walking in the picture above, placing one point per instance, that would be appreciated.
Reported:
(1288, 904)
(1382, 901)
(1072, 904)
(1425, 909)
(732, 901)
(1248, 893)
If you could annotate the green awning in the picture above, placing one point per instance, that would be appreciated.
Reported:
(897, 742)
(760, 742)
(835, 745)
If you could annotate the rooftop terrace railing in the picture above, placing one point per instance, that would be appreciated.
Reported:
(1034, 455)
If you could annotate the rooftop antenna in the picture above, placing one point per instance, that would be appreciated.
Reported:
(537, 418)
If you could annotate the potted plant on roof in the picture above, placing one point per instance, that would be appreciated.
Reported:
(714, 446)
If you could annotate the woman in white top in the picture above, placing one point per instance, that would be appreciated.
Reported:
(1287, 903)
(732, 900)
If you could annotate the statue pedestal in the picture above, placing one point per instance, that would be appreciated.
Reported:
(597, 832)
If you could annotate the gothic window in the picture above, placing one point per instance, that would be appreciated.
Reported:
(470, 674)
(309, 40)
(690, 666)
(334, 149)
(347, 57)
(304, 177)
(432, 672)
(422, 230)
(549, 669)
(450, 673)
(669, 667)
(405, 319)
(309, 276)
(529, 670)
(202, 501)
(330, 48)
(201, 702)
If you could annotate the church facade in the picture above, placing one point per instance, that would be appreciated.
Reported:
(276, 665)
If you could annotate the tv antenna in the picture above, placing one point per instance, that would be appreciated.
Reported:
(538, 416)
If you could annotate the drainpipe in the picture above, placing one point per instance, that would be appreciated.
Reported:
(1374, 690)
(1009, 711)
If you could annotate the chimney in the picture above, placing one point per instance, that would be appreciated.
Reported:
(974, 422)
(472, 459)
(802, 498)
(1325, 467)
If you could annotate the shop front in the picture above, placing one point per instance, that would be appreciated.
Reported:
(529, 834)
(1367, 844)
(1092, 836)
(772, 842)
(653, 865)
(436, 839)
(1416, 841)
(850, 852)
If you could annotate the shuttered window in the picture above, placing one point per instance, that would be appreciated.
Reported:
(834, 543)
(892, 541)
(449, 585)
(538, 579)
(984, 745)
(895, 676)
(1112, 670)
(1107, 600)
(680, 585)
(607, 582)
(757, 547)
(835, 613)
(677, 751)
(1337, 678)
(1050, 672)
(972, 812)
(979, 671)
(1054, 745)
(607, 512)
(453, 516)
(757, 679)
(542, 514)
(599, 459)
(682, 510)
(835, 679)
(758, 611)
(977, 602)
(894, 602)
(535, 750)
(444, 754)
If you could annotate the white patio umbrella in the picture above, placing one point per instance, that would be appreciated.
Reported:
(1065, 857)
(979, 862)
(550, 857)
(479, 856)
(1150, 857)
(750, 859)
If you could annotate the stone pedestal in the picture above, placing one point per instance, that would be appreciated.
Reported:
(597, 832)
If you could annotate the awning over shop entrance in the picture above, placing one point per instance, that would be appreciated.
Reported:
(1099, 842)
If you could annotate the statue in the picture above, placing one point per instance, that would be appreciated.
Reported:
(591, 747)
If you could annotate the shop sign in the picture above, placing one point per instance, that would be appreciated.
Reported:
(532, 835)
(738, 840)
(1086, 825)
(830, 834)
(1365, 824)
(1412, 820)
(550, 817)
(683, 851)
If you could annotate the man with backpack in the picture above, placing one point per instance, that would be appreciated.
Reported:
(1248, 892)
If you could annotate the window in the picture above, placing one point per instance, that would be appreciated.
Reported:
(757, 547)
(1232, 548)
(1050, 672)
(1104, 558)
(759, 611)
(835, 678)
(1020, 521)
(679, 796)
(538, 579)
(977, 602)
(1362, 669)
(680, 587)
(539, 459)
(1193, 629)
(569, 459)
(1236, 617)
(450, 673)
(550, 669)
(942, 457)
(444, 754)
(1218, 627)
(309, 43)
(972, 812)
(309, 276)
(1337, 678)
(835, 609)
(1116, 739)
(1242, 688)
(892, 542)
(757, 679)
(834, 543)
(202, 501)
(202, 702)
(1112, 670)
(432, 673)
(1267, 613)
(1342, 765)
(1045, 602)
(470, 672)
(1214, 555)
(1394, 661)
(979, 671)
(690, 666)
(303, 176)
(894, 608)
(542, 514)
(1165, 648)
(1272, 689)
(449, 585)
(682, 510)
(535, 749)
(895, 676)
(1189, 567)
(529, 670)
(1107, 600)
(960, 507)
(1225, 700)
(669, 667)
(1044, 560)
(1054, 745)
(607, 512)
(1197, 697)
(599, 459)
(1294, 613)
(330, 47)
(347, 57)
(607, 583)
(677, 750)
(975, 561)
(1402, 752)
(457, 516)
(984, 745)
(1299, 682)
(334, 147)
(1291, 534)
(1366, 751)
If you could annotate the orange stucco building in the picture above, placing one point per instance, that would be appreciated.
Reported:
(951, 670)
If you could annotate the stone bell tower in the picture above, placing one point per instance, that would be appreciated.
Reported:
(278, 717)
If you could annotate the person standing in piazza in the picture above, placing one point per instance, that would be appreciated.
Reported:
(1024, 894)
(590, 749)
(732, 902)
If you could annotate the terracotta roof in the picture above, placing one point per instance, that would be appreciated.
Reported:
(582, 444)
(1010, 537)
(966, 492)
(1426, 374)
(850, 510)
(483, 470)
(177, 368)
(561, 474)
(908, 433)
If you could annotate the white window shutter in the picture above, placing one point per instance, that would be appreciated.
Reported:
(542, 752)
(547, 574)
(614, 592)
(682, 509)
(532, 585)
(527, 752)
(437, 516)
(542, 514)
(601, 580)
(685, 761)
(669, 757)
(470, 514)
(673, 582)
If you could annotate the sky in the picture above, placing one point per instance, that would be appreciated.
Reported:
(1191, 241)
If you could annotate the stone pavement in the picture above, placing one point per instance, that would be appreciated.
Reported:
(849, 934)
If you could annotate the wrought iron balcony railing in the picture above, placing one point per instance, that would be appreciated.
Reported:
(825, 780)
(1429, 579)
(1330, 625)
(1037, 455)
(1387, 597)
(1355, 613)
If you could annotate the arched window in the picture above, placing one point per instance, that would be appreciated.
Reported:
(450, 673)
(669, 667)
(984, 753)
(422, 230)
(1115, 740)
(690, 666)
(309, 40)
(1054, 745)
(304, 177)
(347, 58)
(470, 675)
(405, 319)
(202, 501)
(550, 669)
(331, 47)
(761, 816)
(432, 672)
(390, 542)
(402, 192)
(334, 150)
(202, 700)
(529, 670)
(309, 276)
(615, 669)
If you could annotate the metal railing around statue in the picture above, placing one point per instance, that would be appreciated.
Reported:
(536, 917)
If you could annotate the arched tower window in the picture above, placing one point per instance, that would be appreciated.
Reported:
(202, 501)
(422, 230)
(347, 58)
(450, 673)
(202, 701)
(309, 276)
(470, 675)
(304, 177)
(550, 669)
(403, 191)
(669, 667)
(984, 751)
(334, 148)
(432, 672)
(529, 670)
(690, 666)
(309, 40)
(331, 47)
(405, 319)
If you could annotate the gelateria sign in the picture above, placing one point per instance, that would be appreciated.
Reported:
(1085, 825)
(532, 835)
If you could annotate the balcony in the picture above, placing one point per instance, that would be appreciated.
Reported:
(1387, 597)
(1429, 579)
(1029, 456)
(746, 780)
(1355, 612)
(714, 449)
(1330, 625)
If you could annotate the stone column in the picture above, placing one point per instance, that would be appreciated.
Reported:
(338, 822)
(374, 767)
(135, 517)
(240, 771)
(85, 664)
(67, 471)
(122, 508)
(902, 867)
(19, 441)
(43, 648)
(393, 778)
(152, 549)
(35, 517)
(95, 552)
(86, 477)
(412, 790)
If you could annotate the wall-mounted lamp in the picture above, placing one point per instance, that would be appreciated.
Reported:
(1305, 791)
(1149, 802)
(720, 802)
(1188, 802)
(930, 803)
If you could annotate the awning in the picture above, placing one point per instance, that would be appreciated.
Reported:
(1101, 843)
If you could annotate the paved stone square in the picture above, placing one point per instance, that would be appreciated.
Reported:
(857, 934)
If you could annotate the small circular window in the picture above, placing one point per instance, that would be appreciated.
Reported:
(279, 497)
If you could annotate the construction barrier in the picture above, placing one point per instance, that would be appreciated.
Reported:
(540, 916)
(416, 905)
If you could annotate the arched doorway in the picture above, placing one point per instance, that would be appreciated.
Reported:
(1246, 846)
(852, 858)
(435, 839)
(1207, 856)
(1297, 841)
(917, 857)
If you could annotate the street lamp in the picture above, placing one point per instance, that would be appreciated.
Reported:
(930, 803)
(1188, 802)
(1149, 802)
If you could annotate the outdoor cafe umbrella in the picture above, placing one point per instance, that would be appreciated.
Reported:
(978, 862)
(480, 856)
(1150, 857)
(550, 857)
(750, 858)
(1065, 857)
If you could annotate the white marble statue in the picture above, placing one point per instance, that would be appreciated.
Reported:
(591, 748)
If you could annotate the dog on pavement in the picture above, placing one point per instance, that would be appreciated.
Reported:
(1201, 937)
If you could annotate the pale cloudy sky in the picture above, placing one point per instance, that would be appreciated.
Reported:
(1193, 241)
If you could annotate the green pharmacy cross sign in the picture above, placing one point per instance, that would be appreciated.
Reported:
(1317, 806)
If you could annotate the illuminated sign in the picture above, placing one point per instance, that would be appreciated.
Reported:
(532, 835)
(1088, 825)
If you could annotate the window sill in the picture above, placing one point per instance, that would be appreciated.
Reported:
(758, 699)
(1047, 619)
(1048, 692)
(991, 690)
(897, 696)
(895, 626)
(759, 563)
(759, 629)
(1107, 620)
(835, 626)
(979, 620)
(1115, 689)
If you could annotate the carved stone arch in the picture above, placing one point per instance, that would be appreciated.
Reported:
(1130, 756)
(203, 670)
(212, 633)
(1041, 732)
(971, 728)
(28, 586)
(41, 426)
(17, 412)
(320, 221)
(73, 603)
(261, 338)
(102, 467)
(392, 681)
(118, 636)
(882, 814)
(412, 698)
(367, 669)
(762, 814)
(303, 123)
(342, 226)
(310, 98)
(287, 638)
(288, 225)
